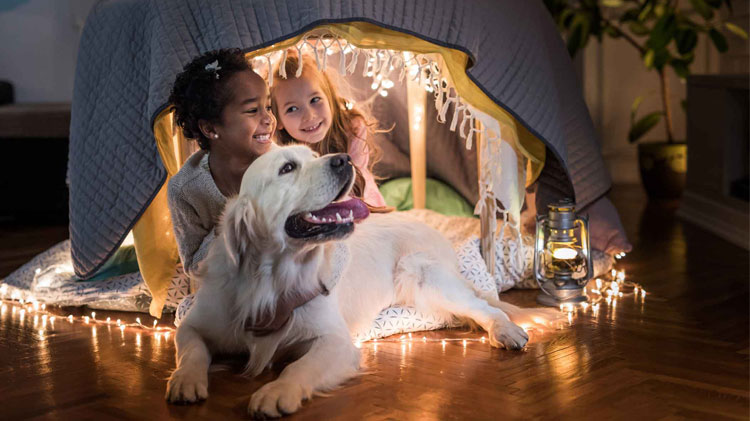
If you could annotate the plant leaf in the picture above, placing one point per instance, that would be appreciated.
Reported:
(643, 125)
(564, 18)
(661, 58)
(648, 59)
(662, 32)
(645, 12)
(680, 67)
(612, 3)
(634, 108)
(719, 40)
(579, 33)
(702, 8)
(736, 30)
(686, 40)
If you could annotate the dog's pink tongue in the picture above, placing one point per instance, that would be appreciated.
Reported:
(352, 207)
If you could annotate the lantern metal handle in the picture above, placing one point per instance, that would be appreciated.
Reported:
(541, 221)
(583, 222)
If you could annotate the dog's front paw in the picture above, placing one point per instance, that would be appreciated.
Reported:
(187, 386)
(508, 334)
(276, 399)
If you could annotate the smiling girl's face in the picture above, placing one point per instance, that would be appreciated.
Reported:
(303, 108)
(246, 123)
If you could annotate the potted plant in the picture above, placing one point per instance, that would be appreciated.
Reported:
(665, 33)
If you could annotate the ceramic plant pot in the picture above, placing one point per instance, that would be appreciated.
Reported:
(663, 169)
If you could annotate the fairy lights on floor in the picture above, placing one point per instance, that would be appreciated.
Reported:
(608, 289)
(24, 305)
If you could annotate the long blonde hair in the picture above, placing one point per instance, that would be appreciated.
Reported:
(338, 138)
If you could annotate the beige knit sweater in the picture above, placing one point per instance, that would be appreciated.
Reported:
(196, 205)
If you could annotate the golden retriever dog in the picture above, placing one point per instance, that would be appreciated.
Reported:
(299, 266)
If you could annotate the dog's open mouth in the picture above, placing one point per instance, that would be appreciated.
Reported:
(335, 220)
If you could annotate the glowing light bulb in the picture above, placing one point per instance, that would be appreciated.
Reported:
(564, 253)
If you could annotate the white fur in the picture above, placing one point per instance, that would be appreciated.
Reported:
(253, 262)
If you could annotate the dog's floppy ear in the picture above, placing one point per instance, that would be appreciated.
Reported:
(238, 229)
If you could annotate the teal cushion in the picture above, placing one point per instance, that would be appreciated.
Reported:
(123, 261)
(440, 197)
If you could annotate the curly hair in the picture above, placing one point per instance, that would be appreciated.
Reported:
(199, 91)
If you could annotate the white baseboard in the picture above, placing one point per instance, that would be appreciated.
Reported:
(726, 222)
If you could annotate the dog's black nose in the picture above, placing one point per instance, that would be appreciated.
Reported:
(339, 161)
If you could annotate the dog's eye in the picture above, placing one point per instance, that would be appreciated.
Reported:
(288, 167)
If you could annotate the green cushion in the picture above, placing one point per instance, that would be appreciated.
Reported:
(123, 261)
(440, 197)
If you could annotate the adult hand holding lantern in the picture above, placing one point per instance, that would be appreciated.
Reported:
(562, 255)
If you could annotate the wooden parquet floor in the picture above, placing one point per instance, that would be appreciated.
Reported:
(682, 353)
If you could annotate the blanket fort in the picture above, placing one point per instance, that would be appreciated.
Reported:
(502, 61)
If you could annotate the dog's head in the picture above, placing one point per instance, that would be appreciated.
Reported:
(291, 196)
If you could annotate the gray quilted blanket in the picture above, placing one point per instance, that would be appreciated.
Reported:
(131, 51)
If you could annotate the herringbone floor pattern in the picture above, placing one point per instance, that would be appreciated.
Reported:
(681, 353)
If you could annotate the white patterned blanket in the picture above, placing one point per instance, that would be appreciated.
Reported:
(513, 257)
(49, 278)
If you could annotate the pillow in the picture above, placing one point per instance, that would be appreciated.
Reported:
(605, 229)
(440, 197)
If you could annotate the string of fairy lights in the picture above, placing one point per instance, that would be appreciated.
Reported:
(608, 289)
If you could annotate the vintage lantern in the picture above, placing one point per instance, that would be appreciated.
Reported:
(562, 255)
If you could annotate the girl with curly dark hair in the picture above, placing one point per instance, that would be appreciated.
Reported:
(220, 102)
